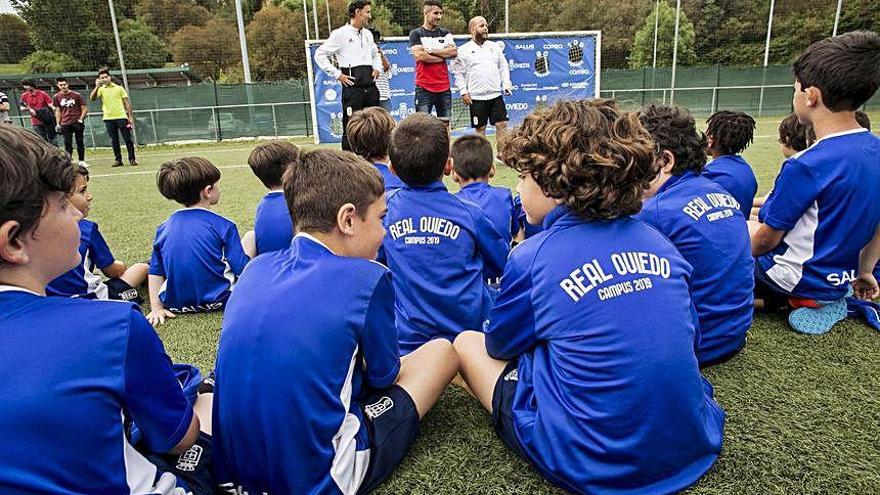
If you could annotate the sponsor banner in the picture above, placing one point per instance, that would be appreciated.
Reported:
(543, 68)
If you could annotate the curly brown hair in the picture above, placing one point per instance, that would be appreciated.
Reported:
(593, 158)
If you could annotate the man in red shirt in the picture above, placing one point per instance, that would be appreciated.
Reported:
(431, 45)
(33, 99)
(70, 112)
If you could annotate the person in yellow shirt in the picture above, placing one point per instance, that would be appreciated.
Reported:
(118, 118)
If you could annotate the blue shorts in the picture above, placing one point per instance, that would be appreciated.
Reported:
(392, 425)
(502, 408)
(191, 468)
(441, 102)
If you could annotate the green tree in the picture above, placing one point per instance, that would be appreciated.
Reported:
(141, 48)
(211, 49)
(275, 44)
(16, 44)
(166, 17)
(643, 46)
(80, 29)
(45, 61)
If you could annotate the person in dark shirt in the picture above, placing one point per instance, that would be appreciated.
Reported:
(431, 45)
(70, 112)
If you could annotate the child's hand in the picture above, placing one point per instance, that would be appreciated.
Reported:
(157, 316)
(865, 287)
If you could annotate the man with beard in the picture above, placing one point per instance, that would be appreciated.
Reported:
(431, 45)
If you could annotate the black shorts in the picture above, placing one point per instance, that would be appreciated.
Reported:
(492, 110)
(502, 407)
(119, 290)
(393, 425)
(192, 468)
(775, 298)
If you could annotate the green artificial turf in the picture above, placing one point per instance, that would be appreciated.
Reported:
(803, 414)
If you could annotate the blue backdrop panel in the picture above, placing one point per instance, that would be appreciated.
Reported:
(543, 68)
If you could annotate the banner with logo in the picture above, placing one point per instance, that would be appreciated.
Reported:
(544, 67)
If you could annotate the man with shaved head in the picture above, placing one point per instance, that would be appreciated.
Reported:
(483, 78)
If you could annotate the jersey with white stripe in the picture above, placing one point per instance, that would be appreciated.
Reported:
(81, 281)
(305, 334)
(825, 199)
(200, 255)
(609, 398)
(69, 369)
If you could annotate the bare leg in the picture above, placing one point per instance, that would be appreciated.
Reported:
(480, 371)
(500, 134)
(480, 130)
(203, 408)
(425, 373)
(136, 274)
(249, 244)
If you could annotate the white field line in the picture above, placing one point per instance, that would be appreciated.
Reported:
(151, 172)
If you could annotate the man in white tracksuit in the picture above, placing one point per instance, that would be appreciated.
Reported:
(483, 78)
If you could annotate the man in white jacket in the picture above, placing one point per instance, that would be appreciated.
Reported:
(483, 78)
(359, 62)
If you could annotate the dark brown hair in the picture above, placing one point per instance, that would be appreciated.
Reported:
(472, 157)
(863, 119)
(673, 129)
(587, 154)
(183, 179)
(845, 68)
(731, 132)
(369, 132)
(323, 180)
(269, 161)
(353, 7)
(419, 149)
(104, 70)
(32, 169)
(794, 134)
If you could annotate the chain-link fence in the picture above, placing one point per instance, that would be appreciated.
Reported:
(704, 54)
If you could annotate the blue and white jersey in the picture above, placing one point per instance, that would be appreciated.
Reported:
(305, 334)
(437, 247)
(82, 281)
(825, 199)
(69, 370)
(200, 255)
(390, 180)
(497, 203)
(529, 230)
(609, 398)
(735, 175)
(706, 225)
(273, 228)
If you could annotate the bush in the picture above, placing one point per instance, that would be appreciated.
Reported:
(43, 61)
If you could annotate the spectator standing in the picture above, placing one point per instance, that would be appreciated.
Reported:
(34, 101)
(70, 112)
(118, 117)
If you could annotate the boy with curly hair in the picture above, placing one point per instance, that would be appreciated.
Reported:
(706, 225)
(587, 362)
(729, 134)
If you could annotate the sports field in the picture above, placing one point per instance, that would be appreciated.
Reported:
(803, 413)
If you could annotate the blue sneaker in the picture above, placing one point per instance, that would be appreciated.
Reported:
(816, 321)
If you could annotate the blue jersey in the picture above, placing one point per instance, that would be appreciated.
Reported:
(437, 247)
(390, 180)
(825, 199)
(200, 255)
(291, 370)
(69, 369)
(609, 398)
(735, 175)
(529, 230)
(496, 203)
(82, 281)
(706, 225)
(273, 228)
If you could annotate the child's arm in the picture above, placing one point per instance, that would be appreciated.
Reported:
(794, 193)
(379, 339)
(865, 286)
(234, 251)
(158, 313)
(490, 243)
(510, 330)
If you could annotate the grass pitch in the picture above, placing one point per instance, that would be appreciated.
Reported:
(803, 413)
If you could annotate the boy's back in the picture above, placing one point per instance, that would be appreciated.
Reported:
(200, 254)
(82, 281)
(825, 199)
(89, 362)
(496, 202)
(437, 247)
(604, 307)
(290, 370)
(273, 228)
(733, 173)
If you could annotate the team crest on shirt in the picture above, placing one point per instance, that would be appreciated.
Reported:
(513, 376)
(189, 460)
(379, 408)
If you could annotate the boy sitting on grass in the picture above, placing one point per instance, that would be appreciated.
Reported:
(729, 134)
(369, 135)
(197, 254)
(75, 372)
(707, 227)
(824, 205)
(273, 228)
(587, 362)
(438, 245)
(81, 281)
(472, 167)
(310, 394)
